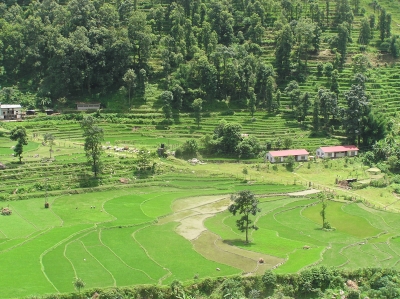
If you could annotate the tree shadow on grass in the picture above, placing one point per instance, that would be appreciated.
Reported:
(239, 243)
(87, 181)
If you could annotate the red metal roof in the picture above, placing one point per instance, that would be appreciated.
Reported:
(286, 153)
(339, 148)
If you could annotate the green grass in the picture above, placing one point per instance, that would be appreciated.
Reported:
(126, 239)
(178, 257)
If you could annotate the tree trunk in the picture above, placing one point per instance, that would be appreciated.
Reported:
(247, 229)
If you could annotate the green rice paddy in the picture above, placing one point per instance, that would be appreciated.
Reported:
(116, 238)
(174, 224)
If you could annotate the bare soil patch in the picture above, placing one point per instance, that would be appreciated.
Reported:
(194, 202)
(192, 226)
(178, 216)
(213, 248)
(304, 193)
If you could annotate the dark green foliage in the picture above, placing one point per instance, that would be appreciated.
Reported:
(226, 138)
(394, 46)
(316, 121)
(343, 12)
(365, 32)
(303, 106)
(93, 136)
(343, 36)
(166, 98)
(251, 102)
(382, 24)
(328, 105)
(290, 162)
(292, 90)
(315, 282)
(19, 134)
(189, 149)
(284, 44)
(269, 279)
(374, 128)
(232, 289)
(197, 107)
(357, 109)
(248, 148)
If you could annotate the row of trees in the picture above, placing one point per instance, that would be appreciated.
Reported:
(209, 50)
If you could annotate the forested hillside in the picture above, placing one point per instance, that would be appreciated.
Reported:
(325, 64)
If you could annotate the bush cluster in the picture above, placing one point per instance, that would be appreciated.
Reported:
(315, 282)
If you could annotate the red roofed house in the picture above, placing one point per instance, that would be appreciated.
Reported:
(280, 156)
(338, 151)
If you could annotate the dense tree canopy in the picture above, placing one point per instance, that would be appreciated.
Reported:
(55, 52)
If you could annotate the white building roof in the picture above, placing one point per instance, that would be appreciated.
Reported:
(9, 106)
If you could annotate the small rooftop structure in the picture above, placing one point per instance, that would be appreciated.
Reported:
(337, 151)
(81, 106)
(280, 156)
(10, 111)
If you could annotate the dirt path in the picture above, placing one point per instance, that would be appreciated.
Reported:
(192, 212)
(304, 193)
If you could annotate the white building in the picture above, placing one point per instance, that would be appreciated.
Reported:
(10, 111)
(87, 106)
(338, 151)
(280, 156)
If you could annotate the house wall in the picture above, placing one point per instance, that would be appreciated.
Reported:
(282, 159)
(301, 158)
(82, 107)
(11, 113)
(322, 154)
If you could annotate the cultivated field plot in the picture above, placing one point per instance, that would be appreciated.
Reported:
(155, 235)
(118, 238)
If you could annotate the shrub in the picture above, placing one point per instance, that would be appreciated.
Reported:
(178, 152)
(353, 294)
(248, 148)
(396, 188)
(290, 161)
(232, 288)
(227, 112)
(269, 279)
(189, 148)
(369, 158)
(395, 179)
(381, 183)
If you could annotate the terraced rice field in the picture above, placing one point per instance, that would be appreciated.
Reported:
(154, 235)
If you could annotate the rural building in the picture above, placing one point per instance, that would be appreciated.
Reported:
(338, 151)
(87, 106)
(10, 111)
(280, 156)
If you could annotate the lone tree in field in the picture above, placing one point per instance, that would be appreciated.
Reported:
(49, 138)
(324, 201)
(93, 135)
(79, 284)
(19, 134)
(244, 204)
